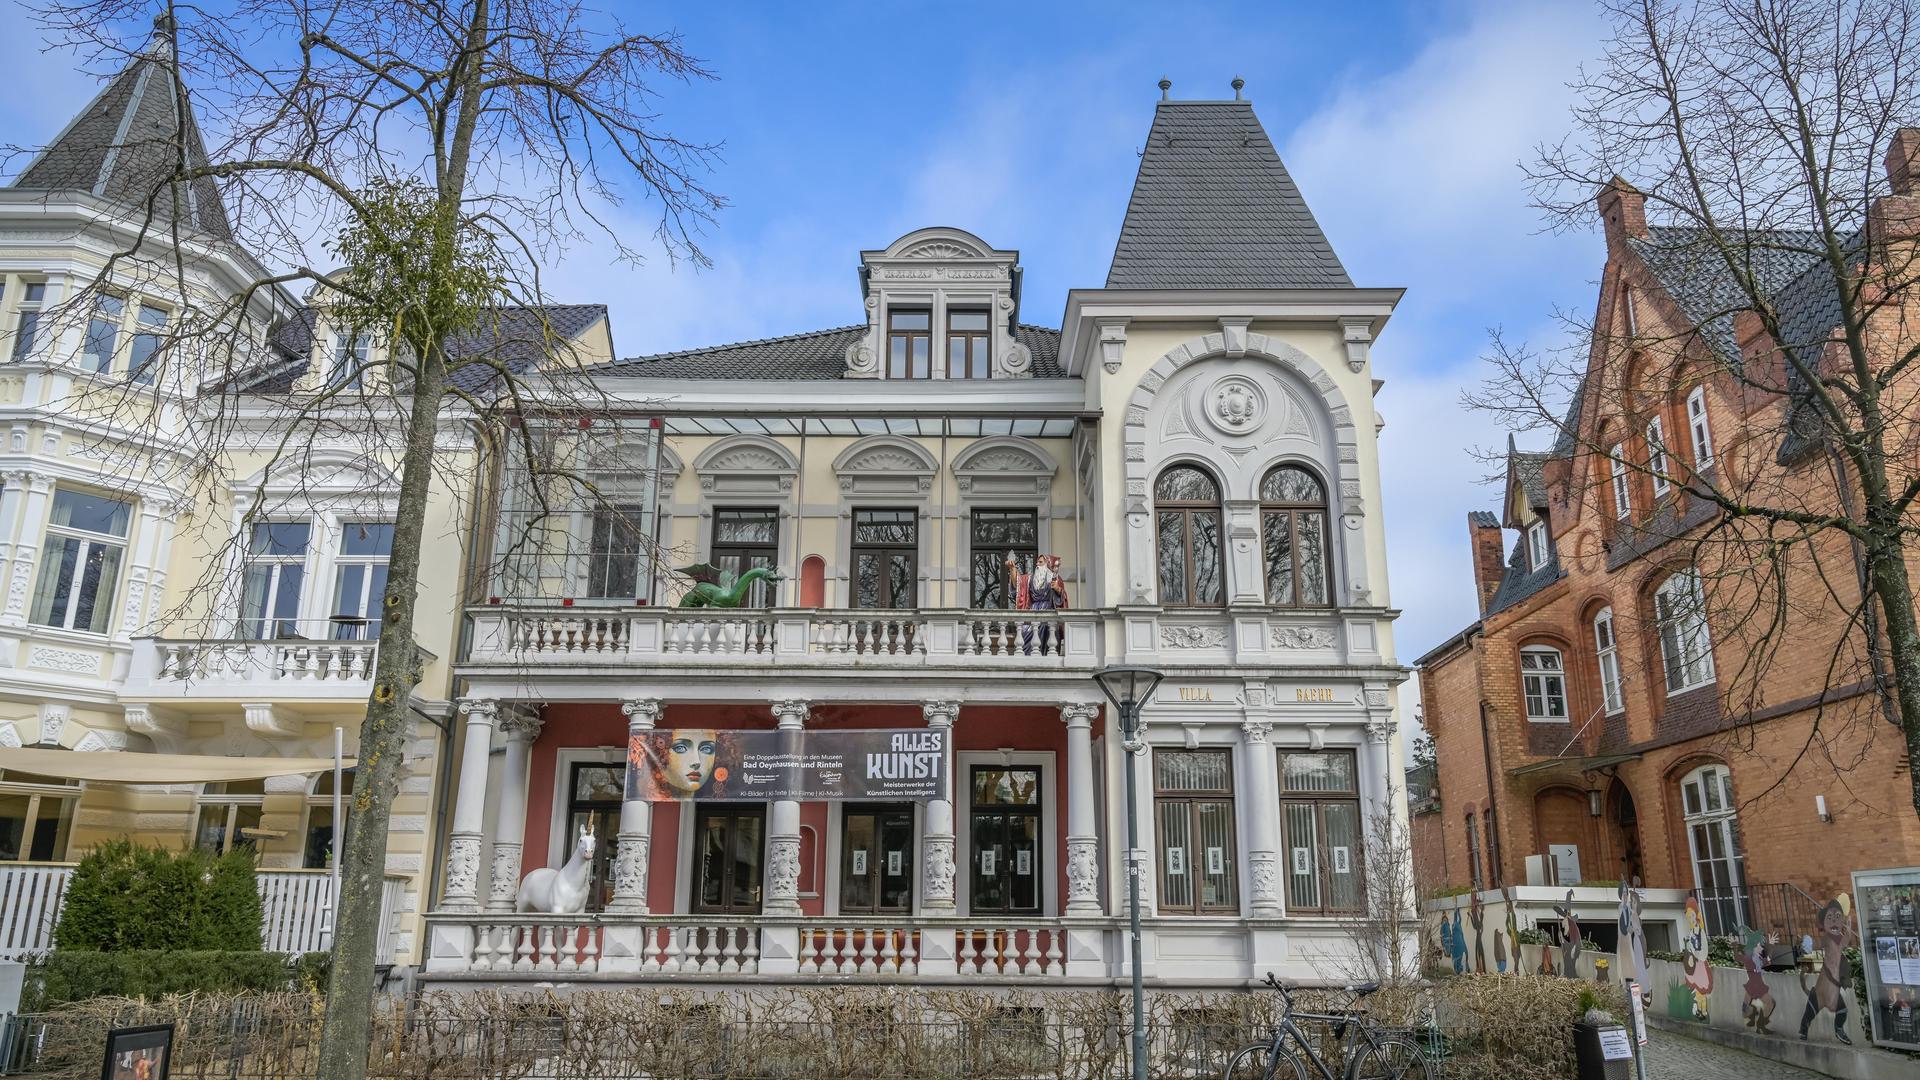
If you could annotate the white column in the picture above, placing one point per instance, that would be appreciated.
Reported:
(521, 725)
(469, 807)
(33, 517)
(636, 819)
(11, 494)
(1261, 803)
(1376, 769)
(783, 827)
(144, 540)
(1083, 846)
(936, 877)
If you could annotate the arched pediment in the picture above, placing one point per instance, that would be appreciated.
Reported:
(939, 242)
(1004, 465)
(746, 464)
(322, 473)
(885, 464)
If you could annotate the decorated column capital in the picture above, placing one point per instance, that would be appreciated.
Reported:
(521, 723)
(940, 714)
(1380, 728)
(642, 714)
(791, 713)
(1078, 714)
(1256, 729)
(482, 712)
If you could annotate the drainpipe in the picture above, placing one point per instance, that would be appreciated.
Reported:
(1494, 847)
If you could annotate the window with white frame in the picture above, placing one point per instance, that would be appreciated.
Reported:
(1657, 456)
(1543, 681)
(1622, 492)
(272, 578)
(1607, 650)
(36, 816)
(26, 329)
(1699, 428)
(1686, 645)
(1713, 841)
(86, 543)
(1537, 546)
(103, 332)
(349, 362)
(149, 328)
(360, 579)
(228, 815)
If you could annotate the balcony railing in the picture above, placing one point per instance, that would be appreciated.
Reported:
(499, 944)
(296, 909)
(323, 658)
(564, 636)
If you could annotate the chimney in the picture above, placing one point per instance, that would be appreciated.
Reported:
(1903, 161)
(1489, 554)
(1895, 216)
(1623, 211)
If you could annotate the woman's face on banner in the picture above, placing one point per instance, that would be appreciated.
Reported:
(690, 759)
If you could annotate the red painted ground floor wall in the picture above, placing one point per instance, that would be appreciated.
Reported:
(570, 729)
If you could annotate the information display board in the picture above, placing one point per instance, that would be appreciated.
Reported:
(1888, 905)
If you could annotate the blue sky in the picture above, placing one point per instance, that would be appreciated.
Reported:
(848, 124)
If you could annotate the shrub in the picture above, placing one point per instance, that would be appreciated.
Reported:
(70, 975)
(1529, 935)
(126, 897)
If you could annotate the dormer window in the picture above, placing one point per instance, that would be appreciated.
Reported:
(1537, 547)
(909, 343)
(349, 362)
(968, 354)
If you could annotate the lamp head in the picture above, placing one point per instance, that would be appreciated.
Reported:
(1127, 686)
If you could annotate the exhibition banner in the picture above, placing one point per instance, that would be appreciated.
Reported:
(707, 765)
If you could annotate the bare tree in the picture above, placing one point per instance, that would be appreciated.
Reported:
(1384, 937)
(1752, 133)
(438, 152)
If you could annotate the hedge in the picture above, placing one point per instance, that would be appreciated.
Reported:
(127, 897)
(70, 975)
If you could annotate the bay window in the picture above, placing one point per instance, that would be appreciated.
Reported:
(86, 543)
(149, 326)
(26, 332)
(103, 332)
(1193, 815)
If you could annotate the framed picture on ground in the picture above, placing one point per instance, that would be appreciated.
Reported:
(138, 1053)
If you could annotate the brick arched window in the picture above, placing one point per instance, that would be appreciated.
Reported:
(1543, 684)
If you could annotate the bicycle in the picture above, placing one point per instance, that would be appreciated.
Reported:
(1380, 1054)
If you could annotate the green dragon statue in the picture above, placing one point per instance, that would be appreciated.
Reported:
(712, 587)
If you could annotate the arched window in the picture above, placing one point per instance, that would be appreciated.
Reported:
(1686, 646)
(1713, 839)
(321, 840)
(1187, 502)
(229, 814)
(1607, 648)
(1543, 682)
(1473, 850)
(1293, 528)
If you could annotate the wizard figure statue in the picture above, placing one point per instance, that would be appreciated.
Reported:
(1042, 590)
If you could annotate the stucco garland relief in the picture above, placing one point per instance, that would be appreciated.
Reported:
(1192, 637)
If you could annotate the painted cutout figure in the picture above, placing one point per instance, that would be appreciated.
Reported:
(1693, 944)
(1513, 933)
(1757, 1008)
(1633, 936)
(1459, 946)
(1569, 938)
(1828, 991)
(1478, 915)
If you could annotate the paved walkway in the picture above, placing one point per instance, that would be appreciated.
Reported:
(1672, 1056)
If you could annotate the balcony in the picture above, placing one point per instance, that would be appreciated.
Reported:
(560, 637)
(320, 661)
(296, 908)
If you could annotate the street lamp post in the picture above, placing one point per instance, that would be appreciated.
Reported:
(1130, 688)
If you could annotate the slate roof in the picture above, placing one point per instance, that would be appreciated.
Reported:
(1213, 207)
(1520, 582)
(1481, 519)
(123, 145)
(1694, 273)
(816, 354)
(1529, 469)
(518, 336)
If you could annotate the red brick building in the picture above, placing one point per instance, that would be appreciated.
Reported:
(1635, 687)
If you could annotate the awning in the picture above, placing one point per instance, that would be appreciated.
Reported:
(1572, 764)
(125, 767)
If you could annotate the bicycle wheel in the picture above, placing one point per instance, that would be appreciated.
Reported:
(1260, 1062)
(1393, 1058)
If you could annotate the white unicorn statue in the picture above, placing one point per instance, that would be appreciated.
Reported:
(547, 891)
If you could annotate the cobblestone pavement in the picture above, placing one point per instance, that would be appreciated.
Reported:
(1672, 1056)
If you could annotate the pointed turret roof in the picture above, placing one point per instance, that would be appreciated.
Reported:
(124, 144)
(1213, 208)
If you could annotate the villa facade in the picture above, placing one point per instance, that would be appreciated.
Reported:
(1193, 448)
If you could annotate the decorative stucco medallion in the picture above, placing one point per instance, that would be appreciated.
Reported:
(1235, 404)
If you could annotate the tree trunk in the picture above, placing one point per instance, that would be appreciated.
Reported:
(383, 736)
(1889, 570)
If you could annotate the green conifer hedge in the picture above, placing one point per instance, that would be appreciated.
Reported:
(125, 897)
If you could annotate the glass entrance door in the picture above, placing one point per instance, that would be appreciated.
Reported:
(1004, 835)
(876, 860)
(729, 842)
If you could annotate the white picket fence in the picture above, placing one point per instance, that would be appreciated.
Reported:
(296, 908)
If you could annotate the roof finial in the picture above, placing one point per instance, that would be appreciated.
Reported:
(1239, 84)
(162, 43)
(1165, 85)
